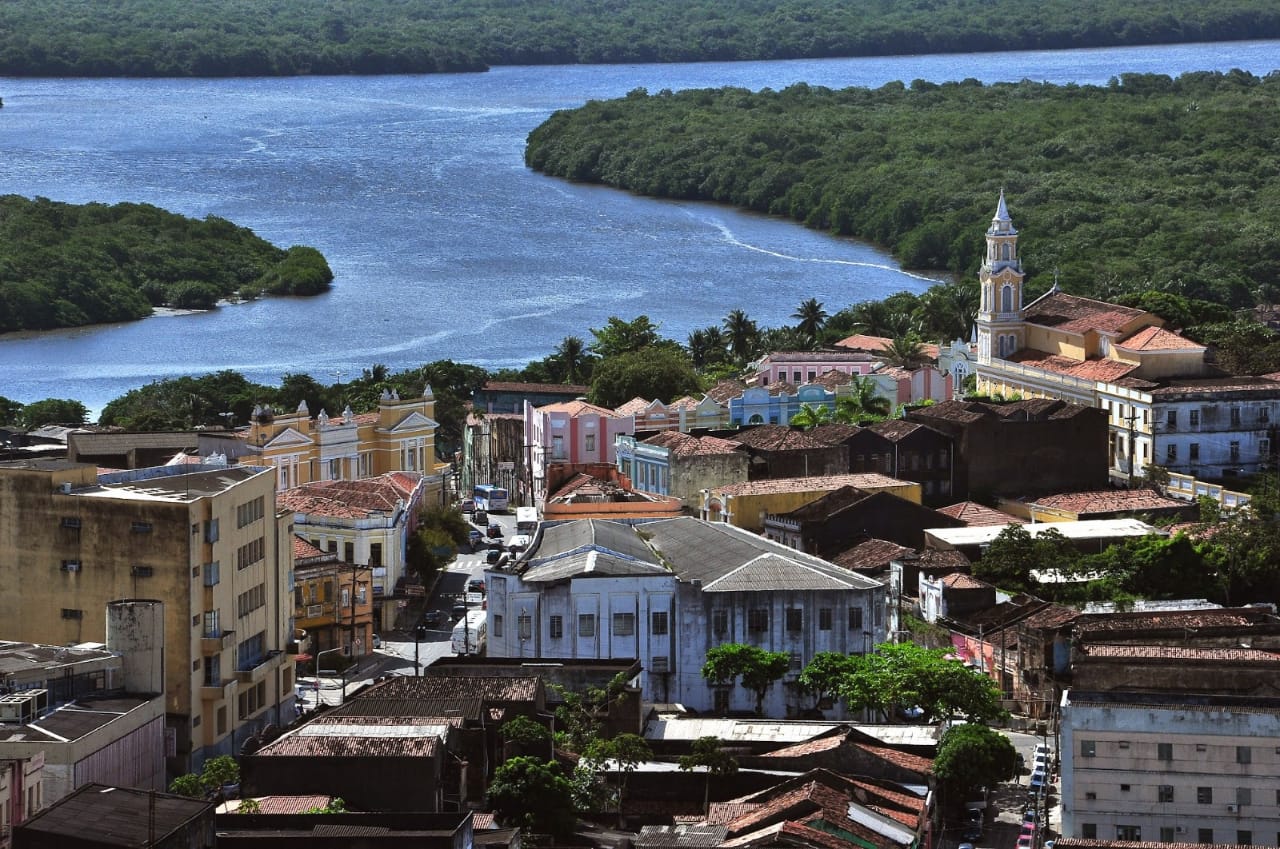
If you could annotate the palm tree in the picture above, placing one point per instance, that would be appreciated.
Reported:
(742, 333)
(905, 351)
(810, 416)
(862, 403)
(811, 317)
(698, 349)
(571, 354)
(876, 318)
(717, 352)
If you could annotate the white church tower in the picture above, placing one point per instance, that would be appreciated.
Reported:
(1000, 326)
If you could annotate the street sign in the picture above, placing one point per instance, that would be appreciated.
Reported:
(506, 466)
(415, 590)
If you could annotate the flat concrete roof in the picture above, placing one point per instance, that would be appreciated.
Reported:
(1090, 529)
(179, 484)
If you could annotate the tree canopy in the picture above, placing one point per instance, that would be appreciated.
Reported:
(173, 38)
(972, 755)
(1148, 183)
(63, 265)
(533, 795)
(757, 668)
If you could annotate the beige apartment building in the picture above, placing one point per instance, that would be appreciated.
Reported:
(1170, 768)
(204, 539)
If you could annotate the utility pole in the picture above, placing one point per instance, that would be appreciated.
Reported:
(1132, 448)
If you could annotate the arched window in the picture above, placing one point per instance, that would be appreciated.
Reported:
(1006, 299)
(756, 418)
(1004, 251)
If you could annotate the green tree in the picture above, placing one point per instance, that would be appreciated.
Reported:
(59, 411)
(708, 754)
(1014, 554)
(627, 752)
(904, 675)
(742, 335)
(10, 412)
(525, 736)
(971, 755)
(534, 796)
(810, 416)
(624, 337)
(810, 318)
(188, 785)
(248, 806)
(571, 355)
(579, 715)
(863, 403)
(652, 372)
(757, 668)
(906, 352)
(217, 773)
(825, 675)
(336, 805)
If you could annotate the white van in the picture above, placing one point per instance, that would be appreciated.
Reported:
(526, 520)
(519, 543)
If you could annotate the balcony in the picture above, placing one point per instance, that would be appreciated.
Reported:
(211, 644)
(218, 690)
(258, 671)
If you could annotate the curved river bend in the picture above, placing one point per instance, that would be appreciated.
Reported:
(442, 242)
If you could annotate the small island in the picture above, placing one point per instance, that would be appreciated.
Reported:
(67, 265)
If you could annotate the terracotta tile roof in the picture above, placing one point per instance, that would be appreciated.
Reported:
(1052, 617)
(685, 402)
(895, 372)
(816, 484)
(1107, 501)
(635, 407)
(1079, 315)
(1149, 652)
(1158, 339)
(1225, 383)
(961, 581)
(1167, 619)
(781, 387)
(895, 430)
(937, 560)
(776, 438)
(725, 389)
(975, 515)
(439, 685)
(286, 804)
(311, 741)
(1105, 370)
(532, 388)
(905, 760)
(483, 820)
(357, 419)
(862, 342)
(578, 408)
(808, 747)
(723, 813)
(870, 554)
(350, 499)
(1079, 843)
(687, 445)
(303, 549)
(850, 356)
(833, 379)
(834, 433)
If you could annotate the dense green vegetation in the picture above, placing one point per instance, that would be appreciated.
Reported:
(237, 38)
(63, 265)
(1149, 183)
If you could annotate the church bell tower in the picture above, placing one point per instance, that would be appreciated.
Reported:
(1000, 331)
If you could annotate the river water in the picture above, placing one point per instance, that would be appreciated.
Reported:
(443, 244)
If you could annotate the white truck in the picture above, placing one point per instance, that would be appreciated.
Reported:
(469, 633)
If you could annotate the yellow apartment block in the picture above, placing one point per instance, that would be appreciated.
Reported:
(204, 539)
(746, 504)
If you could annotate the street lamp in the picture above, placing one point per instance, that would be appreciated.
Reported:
(419, 634)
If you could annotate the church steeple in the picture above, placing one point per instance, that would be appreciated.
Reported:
(1000, 281)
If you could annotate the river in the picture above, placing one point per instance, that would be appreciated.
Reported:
(443, 244)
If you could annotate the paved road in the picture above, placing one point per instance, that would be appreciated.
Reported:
(1008, 803)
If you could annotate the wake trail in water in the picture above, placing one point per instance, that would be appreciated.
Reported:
(738, 243)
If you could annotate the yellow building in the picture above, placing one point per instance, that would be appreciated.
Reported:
(332, 601)
(204, 539)
(399, 436)
(745, 505)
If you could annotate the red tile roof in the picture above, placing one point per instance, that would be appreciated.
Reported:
(1079, 315)
(303, 549)
(777, 438)
(635, 407)
(1158, 339)
(833, 379)
(961, 581)
(286, 804)
(725, 389)
(578, 408)
(870, 554)
(862, 342)
(686, 445)
(1108, 501)
(350, 499)
(1105, 370)
(834, 433)
(816, 484)
(895, 430)
(976, 515)
(1171, 619)
(1150, 652)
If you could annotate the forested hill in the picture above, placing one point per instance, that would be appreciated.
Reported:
(177, 38)
(63, 265)
(1147, 183)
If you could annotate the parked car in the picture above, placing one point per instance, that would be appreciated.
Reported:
(468, 505)
(493, 556)
(458, 611)
(474, 537)
(495, 531)
(432, 618)
(476, 585)
(480, 517)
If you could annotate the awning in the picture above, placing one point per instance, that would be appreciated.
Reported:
(302, 658)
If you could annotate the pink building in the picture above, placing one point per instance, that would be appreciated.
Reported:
(801, 367)
(570, 433)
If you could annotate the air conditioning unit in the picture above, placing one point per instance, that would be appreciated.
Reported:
(659, 664)
(1179, 829)
(71, 566)
(1233, 809)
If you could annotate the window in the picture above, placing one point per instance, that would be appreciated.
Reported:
(720, 621)
(795, 619)
(1090, 796)
(1201, 747)
(795, 377)
(1204, 835)
(1088, 748)
(658, 625)
(557, 447)
(1264, 415)
(1172, 420)
(1171, 453)
(72, 613)
(375, 555)
(524, 626)
(71, 522)
(1235, 417)
(1194, 449)
(249, 512)
(1124, 788)
(71, 565)
(757, 620)
(1129, 832)
(1244, 837)
(1166, 793)
(252, 552)
(855, 618)
(222, 720)
(140, 527)
(349, 552)
(1244, 754)
(824, 619)
(1244, 796)
(211, 531)
(1204, 795)
(497, 625)
(555, 627)
(590, 441)
(1235, 451)
(797, 662)
(722, 700)
(1164, 751)
(1166, 834)
(586, 624)
(251, 600)
(1089, 831)
(624, 624)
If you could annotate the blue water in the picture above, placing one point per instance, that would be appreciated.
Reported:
(442, 242)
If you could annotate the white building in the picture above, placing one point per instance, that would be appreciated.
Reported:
(666, 591)
(1177, 769)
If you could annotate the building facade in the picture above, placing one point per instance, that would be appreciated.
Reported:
(206, 540)
(332, 601)
(572, 433)
(800, 367)
(1157, 767)
(681, 465)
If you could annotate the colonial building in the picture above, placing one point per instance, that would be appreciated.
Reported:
(680, 464)
(493, 452)
(571, 433)
(800, 367)
(198, 538)
(1165, 404)
(332, 601)
(747, 505)
(665, 592)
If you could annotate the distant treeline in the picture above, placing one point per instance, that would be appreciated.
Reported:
(178, 38)
(1148, 183)
(63, 265)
